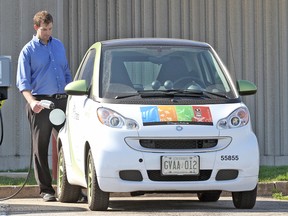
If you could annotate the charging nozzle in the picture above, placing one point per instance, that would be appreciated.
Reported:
(47, 104)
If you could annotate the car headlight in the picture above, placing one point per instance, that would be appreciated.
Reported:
(238, 118)
(113, 119)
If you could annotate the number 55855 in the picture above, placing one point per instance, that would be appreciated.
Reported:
(229, 157)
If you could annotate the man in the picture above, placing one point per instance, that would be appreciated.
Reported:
(42, 74)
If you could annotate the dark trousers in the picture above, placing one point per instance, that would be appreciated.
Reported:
(41, 129)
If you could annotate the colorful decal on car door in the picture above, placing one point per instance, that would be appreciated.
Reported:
(157, 115)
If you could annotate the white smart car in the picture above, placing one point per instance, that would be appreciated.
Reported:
(156, 115)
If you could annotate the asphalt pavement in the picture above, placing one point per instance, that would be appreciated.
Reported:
(145, 206)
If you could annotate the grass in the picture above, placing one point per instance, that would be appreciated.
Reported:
(279, 196)
(7, 181)
(272, 174)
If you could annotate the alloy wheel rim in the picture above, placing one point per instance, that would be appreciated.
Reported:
(60, 172)
(89, 181)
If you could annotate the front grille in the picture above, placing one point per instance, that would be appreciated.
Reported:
(155, 175)
(178, 143)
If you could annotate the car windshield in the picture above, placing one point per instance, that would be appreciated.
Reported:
(161, 71)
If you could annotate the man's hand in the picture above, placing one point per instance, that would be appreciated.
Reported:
(34, 104)
(36, 107)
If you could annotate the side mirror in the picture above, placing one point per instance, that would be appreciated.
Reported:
(78, 87)
(246, 87)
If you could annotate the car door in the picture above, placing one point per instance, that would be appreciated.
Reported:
(76, 111)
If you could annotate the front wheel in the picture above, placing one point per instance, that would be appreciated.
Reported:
(65, 191)
(98, 200)
(245, 199)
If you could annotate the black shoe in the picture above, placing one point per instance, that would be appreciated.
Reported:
(48, 197)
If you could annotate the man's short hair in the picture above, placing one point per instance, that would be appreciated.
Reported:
(42, 17)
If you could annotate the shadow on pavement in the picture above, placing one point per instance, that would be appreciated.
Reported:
(188, 205)
(144, 205)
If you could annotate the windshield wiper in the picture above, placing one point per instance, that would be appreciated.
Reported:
(199, 92)
(126, 96)
(141, 94)
(185, 93)
(216, 94)
(149, 93)
(172, 93)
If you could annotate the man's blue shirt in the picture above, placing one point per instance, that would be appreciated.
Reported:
(43, 69)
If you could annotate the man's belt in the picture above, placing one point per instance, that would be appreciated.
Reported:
(56, 96)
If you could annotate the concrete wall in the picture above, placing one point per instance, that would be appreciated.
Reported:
(250, 36)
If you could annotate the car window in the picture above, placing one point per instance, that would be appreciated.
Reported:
(127, 70)
(212, 74)
(86, 70)
(142, 73)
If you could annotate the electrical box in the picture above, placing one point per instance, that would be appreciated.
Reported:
(5, 76)
(5, 70)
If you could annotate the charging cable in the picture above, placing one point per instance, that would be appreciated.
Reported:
(46, 104)
(2, 130)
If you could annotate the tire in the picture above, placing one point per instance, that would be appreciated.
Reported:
(98, 200)
(65, 191)
(209, 196)
(244, 199)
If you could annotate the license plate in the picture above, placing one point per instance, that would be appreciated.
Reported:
(180, 165)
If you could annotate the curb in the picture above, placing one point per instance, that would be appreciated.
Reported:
(267, 189)
(32, 191)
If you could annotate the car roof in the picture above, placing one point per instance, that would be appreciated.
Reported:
(154, 41)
